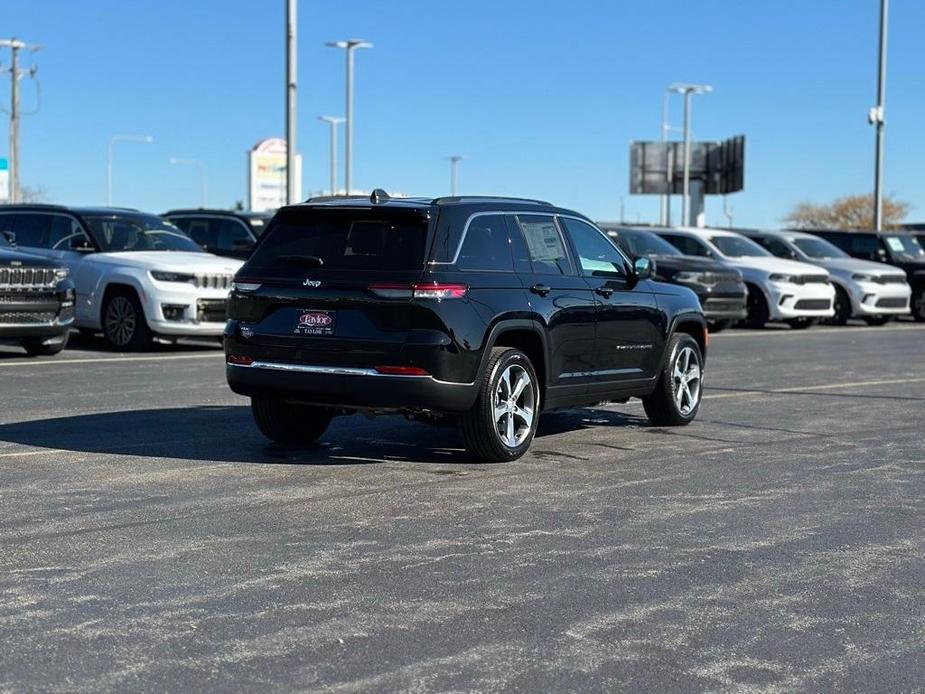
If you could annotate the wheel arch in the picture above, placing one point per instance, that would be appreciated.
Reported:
(693, 324)
(525, 335)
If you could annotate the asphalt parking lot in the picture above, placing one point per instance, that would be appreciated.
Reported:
(151, 539)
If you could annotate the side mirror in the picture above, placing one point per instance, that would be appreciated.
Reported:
(10, 236)
(79, 243)
(642, 268)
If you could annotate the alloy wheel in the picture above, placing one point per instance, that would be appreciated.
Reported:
(686, 376)
(120, 321)
(514, 405)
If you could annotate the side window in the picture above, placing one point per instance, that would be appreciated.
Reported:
(232, 235)
(8, 222)
(487, 246)
(866, 245)
(182, 223)
(545, 245)
(65, 233)
(32, 229)
(687, 245)
(202, 231)
(597, 256)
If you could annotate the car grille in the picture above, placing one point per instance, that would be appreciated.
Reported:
(892, 302)
(813, 304)
(27, 318)
(718, 277)
(213, 281)
(211, 310)
(26, 278)
(813, 279)
(724, 304)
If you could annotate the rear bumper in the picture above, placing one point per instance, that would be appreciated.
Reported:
(348, 387)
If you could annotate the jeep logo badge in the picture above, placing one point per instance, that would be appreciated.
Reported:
(311, 283)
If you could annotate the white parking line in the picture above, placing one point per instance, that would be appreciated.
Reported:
(801, 389)
(844, 330)
(97, 360)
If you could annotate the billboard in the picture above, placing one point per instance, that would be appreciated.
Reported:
(657, 168)
(266, 175)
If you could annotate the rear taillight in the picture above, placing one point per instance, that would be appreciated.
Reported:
(431, 290)
(401, 371)
(240, 359)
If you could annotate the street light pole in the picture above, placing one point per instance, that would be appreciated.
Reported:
(16, 74)
(350, 45)
(454, 173)
(112, 141)
(204, 178)
(876, 118)
(688, 90)
(291, 67)
(333, 121)
(665, 201)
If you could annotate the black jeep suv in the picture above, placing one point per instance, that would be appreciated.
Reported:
(898, 248)
(486, 310)
(36, 300)
(721, 289)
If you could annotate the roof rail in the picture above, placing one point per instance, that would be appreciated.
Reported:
(495, 198)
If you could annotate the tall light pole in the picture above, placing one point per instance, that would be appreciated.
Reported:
(350, 45)
(454, 173)
(688, 90)
(664, 212)
(876, 117)
(112, 141)
(204, 178)
(333, 121)
(291, 65)
(15, 45)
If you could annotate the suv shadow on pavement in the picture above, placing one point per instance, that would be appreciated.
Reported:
(222, 434)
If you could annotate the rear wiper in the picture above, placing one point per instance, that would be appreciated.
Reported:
(312, 260)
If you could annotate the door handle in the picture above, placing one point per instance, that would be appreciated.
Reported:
(605, 292)
(541, 289)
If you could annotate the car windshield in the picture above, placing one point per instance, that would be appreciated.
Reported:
(905, 247)
(819, 249)
(639, 243)
(738, 247)
(139, 232)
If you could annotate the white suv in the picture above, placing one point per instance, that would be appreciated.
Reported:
(136, 275)
(874, 292)
(795, 293)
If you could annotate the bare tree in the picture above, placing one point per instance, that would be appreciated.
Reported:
(852, 212)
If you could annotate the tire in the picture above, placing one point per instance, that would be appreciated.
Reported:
(41, 348)
(287, 423)
(918, 306)
(842, 307)
(877, 320)
(124, 324)
(668, 405)
(801, 323)
(481, 427)
(758, 313)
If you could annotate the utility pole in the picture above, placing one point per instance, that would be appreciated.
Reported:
(333, 121)
(291, 67)
(876, 118)
(349, 46)
(16, 74)
(454, 174)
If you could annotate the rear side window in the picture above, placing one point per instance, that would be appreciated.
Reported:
(865, 244)
(31, 229)
(342, 240)
(487, 245)
(545, 245)
(687, 245)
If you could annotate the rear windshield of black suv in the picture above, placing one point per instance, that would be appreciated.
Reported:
(351, 240)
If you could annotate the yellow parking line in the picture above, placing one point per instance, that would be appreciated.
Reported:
(98, 360)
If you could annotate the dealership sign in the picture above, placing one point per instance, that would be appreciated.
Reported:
(266, 175)
(4, 180)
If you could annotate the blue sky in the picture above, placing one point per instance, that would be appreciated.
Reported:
(543, 98)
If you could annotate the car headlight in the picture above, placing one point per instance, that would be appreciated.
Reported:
(861, 277)
(245, 286)
(783, 279)
(62, 273)
(689, 277)
(161, 276)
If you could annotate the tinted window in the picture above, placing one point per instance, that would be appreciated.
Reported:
(776, 247)
(738, 247)
(233, 235)
(819, 249)
(65, 232)
(597, 256)
(7, 223)
(138, 232)
(638, 243)
(905, 247)
(487, 246)
(31, 229)
(544, 245)
(342, 240)
(688, 245)
(866, 245)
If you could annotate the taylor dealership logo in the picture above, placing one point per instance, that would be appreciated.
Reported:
(315, 323)
(320, 320)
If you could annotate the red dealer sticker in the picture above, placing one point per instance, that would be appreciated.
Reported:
(315, 323)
